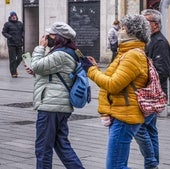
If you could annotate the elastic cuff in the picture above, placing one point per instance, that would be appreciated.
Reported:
(103, 115)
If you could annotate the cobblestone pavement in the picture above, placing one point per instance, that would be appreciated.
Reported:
(87, 135)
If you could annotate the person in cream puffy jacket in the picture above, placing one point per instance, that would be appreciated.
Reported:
(51, 98)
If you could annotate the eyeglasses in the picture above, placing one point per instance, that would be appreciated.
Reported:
(151, 20)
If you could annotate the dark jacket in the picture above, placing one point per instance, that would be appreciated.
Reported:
(159, 50)
(14, 32)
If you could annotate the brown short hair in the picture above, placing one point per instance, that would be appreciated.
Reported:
(116, 22)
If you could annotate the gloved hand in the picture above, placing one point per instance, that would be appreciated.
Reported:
(86, 64)
(106, 120)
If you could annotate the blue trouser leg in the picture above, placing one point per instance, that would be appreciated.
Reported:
(147, 139)
(63, 147)
(52, 132)
(120, 137)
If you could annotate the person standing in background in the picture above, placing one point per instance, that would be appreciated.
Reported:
(159, 51)
(13, 30)
(112, 38)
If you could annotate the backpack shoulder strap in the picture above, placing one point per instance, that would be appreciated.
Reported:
(63, 81)
(68, 51)
(73, 54)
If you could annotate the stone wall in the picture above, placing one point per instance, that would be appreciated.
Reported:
(132, 7)
(51, 11)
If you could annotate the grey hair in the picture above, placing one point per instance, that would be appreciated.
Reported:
(155, 14)
(137, 26)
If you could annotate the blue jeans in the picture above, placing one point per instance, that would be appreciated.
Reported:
(52, 133)
(120, 137)
(147, 138)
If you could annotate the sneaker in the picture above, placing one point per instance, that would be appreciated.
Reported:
(14, 76)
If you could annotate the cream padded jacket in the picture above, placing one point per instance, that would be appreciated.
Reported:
(51, 96)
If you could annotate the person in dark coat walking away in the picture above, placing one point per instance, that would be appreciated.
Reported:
(13, 30)
(159, 51)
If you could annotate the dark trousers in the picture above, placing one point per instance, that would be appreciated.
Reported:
(15, 58)
(147, 138)
(114, 50)
(114, 53)
(52, 133)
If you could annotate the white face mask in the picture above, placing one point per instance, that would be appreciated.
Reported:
(122, 36)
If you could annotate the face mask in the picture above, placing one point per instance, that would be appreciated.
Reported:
(121, 35)
(51, 42)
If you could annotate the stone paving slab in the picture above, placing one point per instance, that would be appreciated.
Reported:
(87, 135)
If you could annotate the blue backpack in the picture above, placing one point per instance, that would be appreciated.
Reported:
(80, 92)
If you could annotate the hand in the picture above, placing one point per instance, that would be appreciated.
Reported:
(92, 60)
(29, 71)
(44, 41)
(106, 120)
(86, 63)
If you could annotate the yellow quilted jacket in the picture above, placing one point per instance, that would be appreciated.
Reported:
(130, 65)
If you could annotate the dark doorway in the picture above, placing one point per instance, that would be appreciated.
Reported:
(31, 24)
(84, 17)
(153, 4)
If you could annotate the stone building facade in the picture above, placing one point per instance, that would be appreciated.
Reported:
(90, 18)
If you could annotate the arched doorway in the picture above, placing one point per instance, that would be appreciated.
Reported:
(31, 24)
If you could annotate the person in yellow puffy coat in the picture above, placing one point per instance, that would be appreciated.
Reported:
(118, 106)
